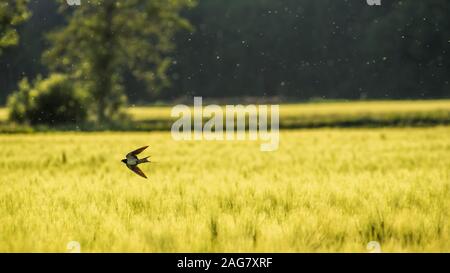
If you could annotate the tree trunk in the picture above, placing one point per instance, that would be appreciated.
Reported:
(104, 68)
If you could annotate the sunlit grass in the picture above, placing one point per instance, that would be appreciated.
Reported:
(323, 190)
(335, 114)
(331, 109)
(310, 115)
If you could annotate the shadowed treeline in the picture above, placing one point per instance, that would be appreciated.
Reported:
(292, 48)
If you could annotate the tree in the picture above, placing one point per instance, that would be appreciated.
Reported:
(106, 38)
(51, 101)
(12, 13)
(293, 48)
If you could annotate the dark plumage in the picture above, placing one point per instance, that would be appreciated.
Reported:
(132, 161)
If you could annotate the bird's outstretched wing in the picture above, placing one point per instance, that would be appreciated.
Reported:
(137, 151)
(138, 171)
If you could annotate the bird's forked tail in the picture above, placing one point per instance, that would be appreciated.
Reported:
(144, 160)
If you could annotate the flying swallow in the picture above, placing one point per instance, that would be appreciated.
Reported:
(132, 161)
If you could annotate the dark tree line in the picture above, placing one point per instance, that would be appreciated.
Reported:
(293, 48)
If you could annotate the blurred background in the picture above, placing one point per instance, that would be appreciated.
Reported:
(158, 52)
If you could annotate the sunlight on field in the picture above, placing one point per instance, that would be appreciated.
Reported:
(330, 114)
(323, 190)
(309, 110)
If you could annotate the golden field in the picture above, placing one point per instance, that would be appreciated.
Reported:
(354, 114)
(330, 114)
(307, 111)
(324, 190)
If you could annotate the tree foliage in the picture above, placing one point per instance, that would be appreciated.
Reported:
(12, 13)
(52, 101)
(332, 49)
(106, 38)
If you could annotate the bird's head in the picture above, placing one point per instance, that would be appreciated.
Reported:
(124, 161)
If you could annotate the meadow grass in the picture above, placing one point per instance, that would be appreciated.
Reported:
(292, 116)
(324, 190)
(332, 114)
(325, 109)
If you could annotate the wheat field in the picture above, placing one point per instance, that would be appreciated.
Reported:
(384, 109)
(324, 190)
(356, 114)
